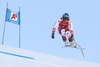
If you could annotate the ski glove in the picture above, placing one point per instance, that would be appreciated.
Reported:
(52, 36)
(71, 38)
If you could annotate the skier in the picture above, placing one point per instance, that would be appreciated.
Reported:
(65, 28)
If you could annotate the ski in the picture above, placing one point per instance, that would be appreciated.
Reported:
(77, 47)
(74, 47)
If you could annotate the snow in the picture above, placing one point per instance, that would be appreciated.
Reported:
(18, 57)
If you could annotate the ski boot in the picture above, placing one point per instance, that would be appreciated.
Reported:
(67, 44)
(72, 44)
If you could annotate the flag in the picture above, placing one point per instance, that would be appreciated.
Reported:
(12, 17)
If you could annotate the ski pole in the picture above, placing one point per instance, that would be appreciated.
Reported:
(80, 48)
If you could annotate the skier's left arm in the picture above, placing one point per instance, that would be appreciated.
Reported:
(71, 30)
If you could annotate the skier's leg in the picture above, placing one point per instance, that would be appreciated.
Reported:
(69, 38)
(63, 34)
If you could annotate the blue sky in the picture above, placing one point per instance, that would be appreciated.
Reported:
(38, 18)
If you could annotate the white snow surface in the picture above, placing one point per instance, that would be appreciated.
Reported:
(17, 57)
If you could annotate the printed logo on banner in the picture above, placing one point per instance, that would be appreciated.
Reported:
(13, 16)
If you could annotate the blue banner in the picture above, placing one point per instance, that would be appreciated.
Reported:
(13, 17)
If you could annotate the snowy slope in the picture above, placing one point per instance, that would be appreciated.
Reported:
(15, 57)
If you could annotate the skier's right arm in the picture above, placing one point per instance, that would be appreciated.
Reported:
(54, 27)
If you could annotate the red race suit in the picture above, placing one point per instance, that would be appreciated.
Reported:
(64, 28)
